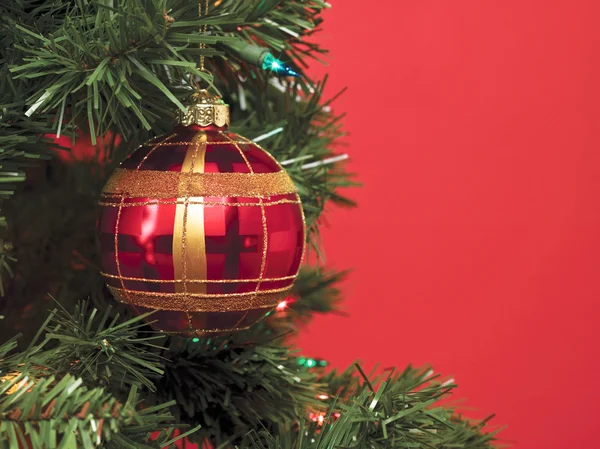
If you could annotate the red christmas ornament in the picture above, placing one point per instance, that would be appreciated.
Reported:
(202, 225)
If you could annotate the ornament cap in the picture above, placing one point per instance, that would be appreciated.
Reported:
(204, 109)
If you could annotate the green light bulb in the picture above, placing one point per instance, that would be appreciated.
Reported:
(277, 66)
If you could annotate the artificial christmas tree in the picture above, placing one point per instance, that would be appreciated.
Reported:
(94, 374)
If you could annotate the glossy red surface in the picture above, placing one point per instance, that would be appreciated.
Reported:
(233, 239)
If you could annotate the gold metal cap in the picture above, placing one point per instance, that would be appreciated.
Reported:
(203, 109)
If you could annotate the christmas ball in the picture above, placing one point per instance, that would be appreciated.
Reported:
(202, 226)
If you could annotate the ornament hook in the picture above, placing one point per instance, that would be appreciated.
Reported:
(202, 11)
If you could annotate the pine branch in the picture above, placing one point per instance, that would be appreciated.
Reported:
(101, 348)
(396, 411)
(6, 347)
(231, 386)
(121, 64)
(6, 258)
(118, 64)
(46, 412)
(285, 27)
(153, 429)
(317, 292)
(42, 402)
(22, 141)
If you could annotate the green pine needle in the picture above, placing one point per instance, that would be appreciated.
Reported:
(49, 412)
(231, 387)
(102, 349)
(395, 411)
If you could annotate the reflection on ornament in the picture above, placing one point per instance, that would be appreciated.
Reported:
(202, 226)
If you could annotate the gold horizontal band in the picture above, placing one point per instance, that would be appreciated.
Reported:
(201, 302)
(199, 281)
(194, 201)
(168, 184)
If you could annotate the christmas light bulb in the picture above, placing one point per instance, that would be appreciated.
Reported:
(260, 57)
(317, 417)
(277, 66)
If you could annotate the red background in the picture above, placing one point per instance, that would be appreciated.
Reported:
(474, 128)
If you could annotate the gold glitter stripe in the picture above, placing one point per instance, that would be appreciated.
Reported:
(263, 263)
(197, 302)
(117, 243)
(205, 281)
(168, 184)
(305, 233)
(171, 144)
(189, 246)
(200, 332)
(192, 201)
(218, 331)
(193, 246)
